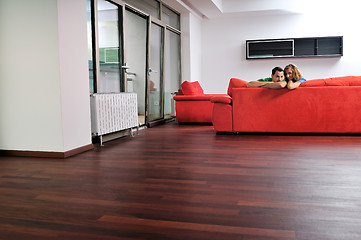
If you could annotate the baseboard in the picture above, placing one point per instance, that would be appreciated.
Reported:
(78, 150)
(44, 154)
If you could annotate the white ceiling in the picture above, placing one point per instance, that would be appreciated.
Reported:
(226, 8)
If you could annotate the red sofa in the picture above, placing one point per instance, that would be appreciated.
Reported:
(330, 105)
(192, 105)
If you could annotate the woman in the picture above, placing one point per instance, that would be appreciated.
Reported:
(293, 76)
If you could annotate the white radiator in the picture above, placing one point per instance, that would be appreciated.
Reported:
(112, 112)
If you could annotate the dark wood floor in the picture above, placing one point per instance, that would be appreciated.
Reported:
(186, 182)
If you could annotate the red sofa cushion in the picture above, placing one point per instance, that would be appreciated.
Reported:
(235, 83)
(337, 81)
(191, 88)
(194, 111)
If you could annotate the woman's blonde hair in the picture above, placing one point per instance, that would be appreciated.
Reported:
(296, 73)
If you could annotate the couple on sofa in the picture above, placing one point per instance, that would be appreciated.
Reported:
(289, 77)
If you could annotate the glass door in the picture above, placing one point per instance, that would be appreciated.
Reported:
(135, 34)
(155, 72)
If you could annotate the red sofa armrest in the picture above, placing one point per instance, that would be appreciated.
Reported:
(202, 97)
(222, 99)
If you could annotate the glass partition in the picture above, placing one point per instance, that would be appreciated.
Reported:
(135, 62)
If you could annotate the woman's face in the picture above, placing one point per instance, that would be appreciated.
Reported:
(289, 74)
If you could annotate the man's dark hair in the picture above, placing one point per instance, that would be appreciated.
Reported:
(274, 70)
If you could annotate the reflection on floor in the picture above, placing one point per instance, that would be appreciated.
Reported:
(141, 118)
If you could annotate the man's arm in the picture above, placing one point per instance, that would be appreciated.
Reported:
(271, 85)
(254, 84)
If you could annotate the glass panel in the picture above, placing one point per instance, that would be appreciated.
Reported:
(170, 17)
(136, 49)
(155, 70)
(147, 6)
(329, 46)
(171, 72)
(109, 47)
(305, 46)
(90, 48)
(269, 48)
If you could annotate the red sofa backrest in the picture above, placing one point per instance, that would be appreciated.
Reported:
(191, 88)
(337, 81)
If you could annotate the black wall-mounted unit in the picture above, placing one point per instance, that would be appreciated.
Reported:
(294, 47)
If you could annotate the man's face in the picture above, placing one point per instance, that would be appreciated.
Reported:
(277, 77)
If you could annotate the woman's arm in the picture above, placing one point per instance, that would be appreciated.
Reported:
(292, 85)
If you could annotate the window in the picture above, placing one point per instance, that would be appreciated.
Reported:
(151, 7)
(170, 17)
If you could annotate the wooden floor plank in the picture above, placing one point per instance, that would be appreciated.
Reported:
(200, 227)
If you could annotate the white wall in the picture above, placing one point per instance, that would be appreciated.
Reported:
(74, 73)
(195, 49)
(191, 47)
(29, 88)
(223, 44)
(44, 89)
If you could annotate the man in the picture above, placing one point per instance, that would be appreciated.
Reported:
(275, 81)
